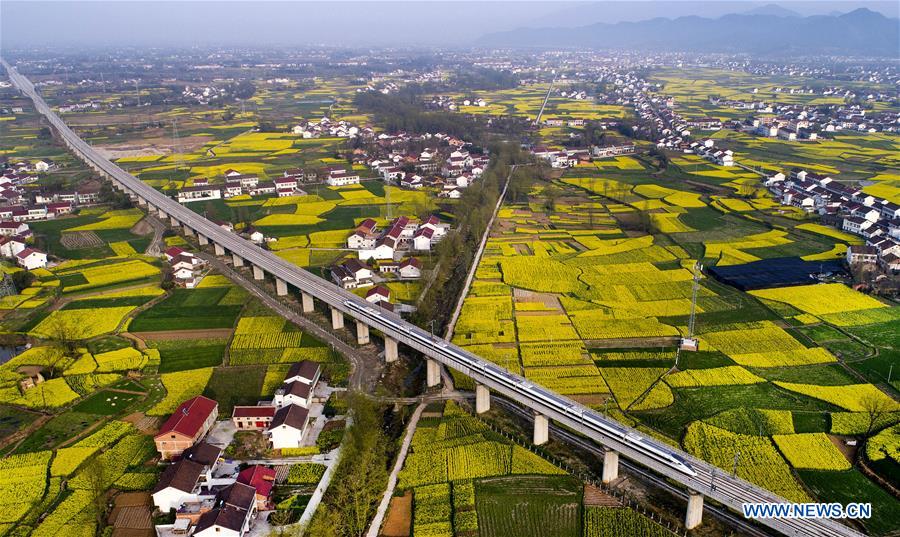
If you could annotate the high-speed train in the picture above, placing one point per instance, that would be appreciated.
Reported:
(547, 398)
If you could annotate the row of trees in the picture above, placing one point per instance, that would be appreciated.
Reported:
(360, 478)
(455, 253)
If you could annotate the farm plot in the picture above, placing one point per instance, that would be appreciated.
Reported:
(104, 273)
(188, 309)
(269, 340)
(531, 505)
(759, 461)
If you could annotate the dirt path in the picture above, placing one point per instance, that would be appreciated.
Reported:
(182, 334)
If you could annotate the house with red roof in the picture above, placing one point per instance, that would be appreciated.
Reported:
(188, 424)
(262, 478)
(31, 259)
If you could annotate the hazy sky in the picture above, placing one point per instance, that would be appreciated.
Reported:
(351, 23)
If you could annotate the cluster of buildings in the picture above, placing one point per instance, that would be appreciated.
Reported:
(15, 245)
(353, 273)
(400, 236)
(208, 496)
(449, 167)
(214, 497)
(187, 269)
(875, 219)
(326, 128)
(236, 183)
(569, 157)
(449, 103)
(285, 419)
(21, 203)
(708, 150)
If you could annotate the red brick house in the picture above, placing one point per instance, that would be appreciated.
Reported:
(262, 479)
(189, 423)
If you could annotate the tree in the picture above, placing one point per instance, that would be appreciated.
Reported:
(95, 475)
(360, 477)
(551, 195)
(875, 409)
(280, 519)
(65, 335)
(22, 279)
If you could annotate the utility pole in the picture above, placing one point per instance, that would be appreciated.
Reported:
(695, 289)
(737, 456)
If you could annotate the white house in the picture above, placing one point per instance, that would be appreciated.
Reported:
(306, 371)
(10, 246)
(176, 485)
(13, 228)
(294, 393)
(198, 193)
(288, 426)
(340, 177)
(422, 239)
(410, 268)
(855, 224)
(438, 229)
(384, 249)
(379, 294)
(31, 259)
(235, 507)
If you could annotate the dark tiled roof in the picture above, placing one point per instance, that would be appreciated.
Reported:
(290, 415)
(203, 453)
(297, 388)
(183, 475)
(306, 369)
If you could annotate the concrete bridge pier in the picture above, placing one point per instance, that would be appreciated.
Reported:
(306, 301)
(432, 373)
(482, 398)
(694, 515)
(203, 240)
(610, 465)
(173, 221)
(258, 273)
(220, 251)
(390, 350)
(337, 319)
(141, 201)
(280, 287)
(237, 260)
(541, 429)
(162, 215)
(188, 232)
(362, 333)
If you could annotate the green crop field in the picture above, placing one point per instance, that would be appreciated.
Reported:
(610, 265)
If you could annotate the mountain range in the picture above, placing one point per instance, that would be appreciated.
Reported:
(762, 32)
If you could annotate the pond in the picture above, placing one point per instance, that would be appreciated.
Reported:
(8, 352)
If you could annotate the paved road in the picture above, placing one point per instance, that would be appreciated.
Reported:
(673, 463)
(156, 246)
